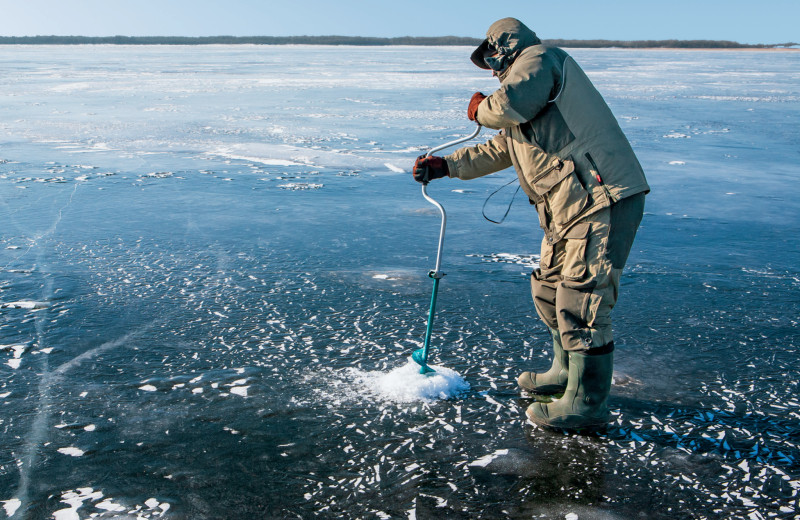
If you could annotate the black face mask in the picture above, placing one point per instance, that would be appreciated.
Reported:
(499, 62)
(496, 60)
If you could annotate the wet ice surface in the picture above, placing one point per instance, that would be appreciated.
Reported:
(210, 265)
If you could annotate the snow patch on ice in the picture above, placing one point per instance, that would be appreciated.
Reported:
(29, 305)
(394, 168)
(240, 390)
(11, 506)
(405, 384)
(71, 451)
(487, 459)
(262, 160)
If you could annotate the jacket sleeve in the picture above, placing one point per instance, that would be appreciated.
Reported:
(476, 161)
(523, 93)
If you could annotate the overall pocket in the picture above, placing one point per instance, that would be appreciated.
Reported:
(565, 196)
(575, 240)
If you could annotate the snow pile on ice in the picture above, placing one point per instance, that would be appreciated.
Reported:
(405, 384)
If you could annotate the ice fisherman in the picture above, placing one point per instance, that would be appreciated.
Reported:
(580, 172)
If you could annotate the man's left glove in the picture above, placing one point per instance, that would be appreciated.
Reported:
(472, 111)
(428, 168)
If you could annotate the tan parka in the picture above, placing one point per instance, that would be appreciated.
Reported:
(571, 156)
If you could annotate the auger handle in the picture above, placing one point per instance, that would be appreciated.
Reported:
(436, 273)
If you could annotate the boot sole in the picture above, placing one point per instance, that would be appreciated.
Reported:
(576, 423)
(545, 389)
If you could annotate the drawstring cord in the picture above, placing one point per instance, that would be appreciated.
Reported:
(483, 210)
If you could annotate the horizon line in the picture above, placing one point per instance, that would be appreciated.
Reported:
(373, 41)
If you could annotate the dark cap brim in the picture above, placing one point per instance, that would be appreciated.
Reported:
(479, 53)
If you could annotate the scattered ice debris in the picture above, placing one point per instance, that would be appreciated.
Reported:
(148, 388)
(297, 186)
(677, 163)
(94, 505)
(109, 505)
(676, 135)
(405, 384)
(29, 305)
(570, 516)
(529, 261)
(71, 451)
(75, 500)
(11, 506)
(157, 175)
(17, 351)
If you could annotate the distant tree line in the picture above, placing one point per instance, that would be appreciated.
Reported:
(665, 44)
(366, 40)
(227, 40)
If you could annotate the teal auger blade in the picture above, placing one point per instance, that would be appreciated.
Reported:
(419, 358)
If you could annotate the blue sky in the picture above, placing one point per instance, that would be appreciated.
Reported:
(745, 21)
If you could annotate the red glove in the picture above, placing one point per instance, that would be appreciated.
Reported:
(472, 111)
(428, 168)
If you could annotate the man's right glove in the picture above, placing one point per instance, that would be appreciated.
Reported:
(472, 110)
(428, 168)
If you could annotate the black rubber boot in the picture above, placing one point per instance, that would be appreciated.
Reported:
(554, 380)
(583, 406)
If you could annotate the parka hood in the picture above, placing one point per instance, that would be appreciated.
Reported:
(508, 37)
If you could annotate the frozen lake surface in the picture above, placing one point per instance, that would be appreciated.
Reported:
(211, 264)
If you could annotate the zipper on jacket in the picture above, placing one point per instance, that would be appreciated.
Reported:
(596, 169)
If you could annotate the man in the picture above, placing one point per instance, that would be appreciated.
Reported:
(578, 169)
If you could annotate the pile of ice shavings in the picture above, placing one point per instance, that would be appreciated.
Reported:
(405, 384)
